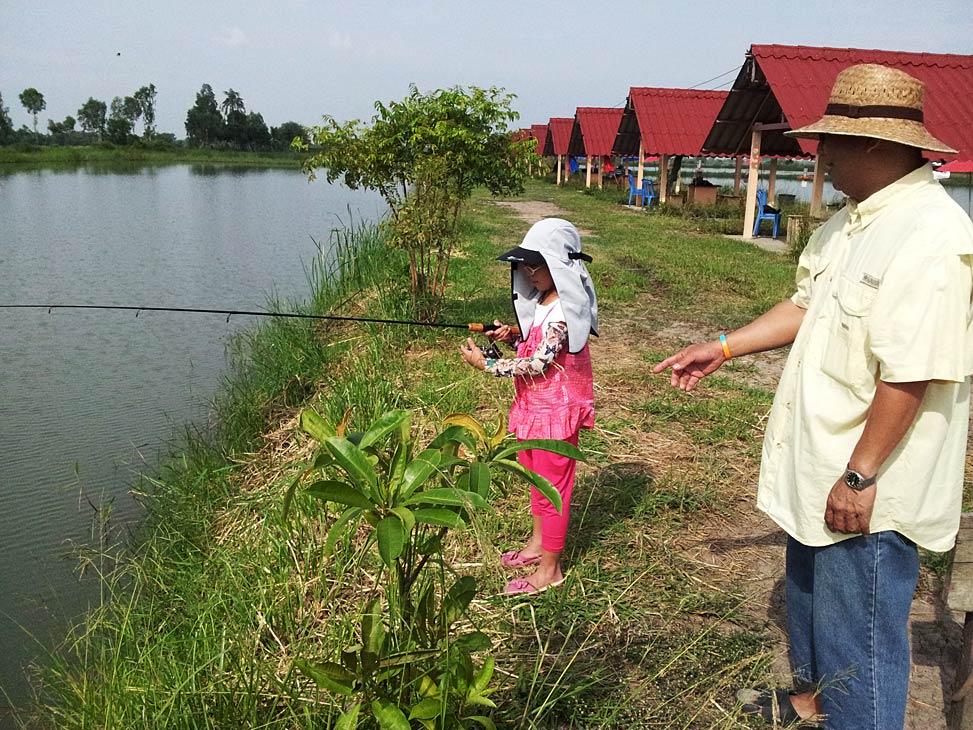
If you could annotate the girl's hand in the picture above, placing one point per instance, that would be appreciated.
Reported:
(500, 334)
(473, 354)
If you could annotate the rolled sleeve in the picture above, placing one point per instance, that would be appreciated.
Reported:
(920, 319)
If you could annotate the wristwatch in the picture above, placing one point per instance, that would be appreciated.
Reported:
(856, 480)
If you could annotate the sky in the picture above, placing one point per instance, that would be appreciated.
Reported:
(296, 60)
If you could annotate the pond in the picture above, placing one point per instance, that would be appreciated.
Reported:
(91, 399)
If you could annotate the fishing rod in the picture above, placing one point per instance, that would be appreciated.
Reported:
(471, 327)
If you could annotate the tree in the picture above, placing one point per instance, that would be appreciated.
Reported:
(256, 136)
(232, 102)
(425, 155)
(33, 102)
(6, 125)
(119, 127)
(235, 116)
(282, 137)
(204, 125)
(92, 116)
(145, 97)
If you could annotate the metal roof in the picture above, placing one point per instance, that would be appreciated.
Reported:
(539, 132)
(594, 130)
(791, 84)
(558, 136)
(667, 121)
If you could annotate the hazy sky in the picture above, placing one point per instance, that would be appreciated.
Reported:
(299, 59)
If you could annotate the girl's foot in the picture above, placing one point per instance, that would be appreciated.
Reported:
(519, 559)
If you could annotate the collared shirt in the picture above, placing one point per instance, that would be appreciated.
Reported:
(887, 287)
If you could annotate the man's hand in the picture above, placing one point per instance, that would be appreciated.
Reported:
(473, 354)
(849, 511)
(692, 364)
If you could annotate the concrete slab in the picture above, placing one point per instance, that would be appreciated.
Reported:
(776, 245)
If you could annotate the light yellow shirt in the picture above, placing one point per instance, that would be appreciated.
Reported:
(887, 288)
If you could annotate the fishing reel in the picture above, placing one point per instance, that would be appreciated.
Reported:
(491, 351)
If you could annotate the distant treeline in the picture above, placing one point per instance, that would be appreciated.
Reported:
(209, 125)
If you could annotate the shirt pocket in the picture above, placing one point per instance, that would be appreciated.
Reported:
(846, 355)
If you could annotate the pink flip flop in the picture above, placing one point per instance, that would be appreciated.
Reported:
(513, 559)
(522, 586)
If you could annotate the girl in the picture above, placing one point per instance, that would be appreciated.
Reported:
(554, 297)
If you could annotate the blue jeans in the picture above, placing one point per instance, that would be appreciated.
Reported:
(847, 619)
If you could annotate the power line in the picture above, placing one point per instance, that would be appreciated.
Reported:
(725, 73)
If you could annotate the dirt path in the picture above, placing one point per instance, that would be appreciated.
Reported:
(745, 547)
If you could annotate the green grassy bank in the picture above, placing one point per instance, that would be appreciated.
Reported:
(42, 156)
(205, 613)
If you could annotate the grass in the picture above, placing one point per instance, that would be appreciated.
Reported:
(209, 607)
(34, 156)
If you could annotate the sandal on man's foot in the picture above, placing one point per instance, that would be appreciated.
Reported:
(775, 707)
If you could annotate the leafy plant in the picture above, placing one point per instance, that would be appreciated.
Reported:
(425, 155)
(412, 661)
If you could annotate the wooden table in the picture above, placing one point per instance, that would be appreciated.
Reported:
(959, 597)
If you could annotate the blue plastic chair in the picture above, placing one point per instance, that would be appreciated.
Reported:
(764, 215)
(647, 191)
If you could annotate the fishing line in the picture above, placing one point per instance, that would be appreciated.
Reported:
(471, 327)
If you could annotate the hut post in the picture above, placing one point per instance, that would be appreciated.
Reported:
(587, 170)
(753, 176)
(663, 178)
(736, 176)
(772, 182)
(817, 192)
(601, 166)
(559, 157)
(638, 180)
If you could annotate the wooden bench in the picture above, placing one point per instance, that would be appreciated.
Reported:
(959, 597)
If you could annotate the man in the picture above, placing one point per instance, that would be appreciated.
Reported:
(864, 450)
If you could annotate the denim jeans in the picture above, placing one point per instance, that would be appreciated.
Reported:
(847, 619)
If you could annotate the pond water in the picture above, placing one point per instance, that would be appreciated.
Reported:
(90, 399)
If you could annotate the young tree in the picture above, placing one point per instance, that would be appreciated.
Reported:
(92, 115)
(204, 125)
(6, 125)
(33, 102)
(145, 97)
(425, 155)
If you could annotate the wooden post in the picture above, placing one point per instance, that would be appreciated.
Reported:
(663, 177)
(601, 166)
(587, 170)
(817, 192)
(772, 182)
(959, 597)
(559, 157)
(736, 176)
(638, 179)
(753, 178)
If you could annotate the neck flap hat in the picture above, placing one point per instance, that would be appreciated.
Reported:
(556, 243)
(869, 100)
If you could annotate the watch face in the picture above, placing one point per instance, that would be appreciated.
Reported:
(853, 479)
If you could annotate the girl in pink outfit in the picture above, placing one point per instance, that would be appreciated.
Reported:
(555, 304)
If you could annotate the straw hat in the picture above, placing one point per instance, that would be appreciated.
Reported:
(875, 101)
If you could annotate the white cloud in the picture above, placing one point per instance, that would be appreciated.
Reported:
(231, 37)
(341, 41)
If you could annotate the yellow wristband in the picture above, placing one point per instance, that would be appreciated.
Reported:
(726, 348)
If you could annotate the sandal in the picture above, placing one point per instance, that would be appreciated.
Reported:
(522, 586)
(775, 708)
(514, 559)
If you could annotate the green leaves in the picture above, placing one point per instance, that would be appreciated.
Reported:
(391, 538)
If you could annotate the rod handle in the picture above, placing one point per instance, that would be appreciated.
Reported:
(489, 327)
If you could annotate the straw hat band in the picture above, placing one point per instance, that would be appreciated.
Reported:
(886, 111)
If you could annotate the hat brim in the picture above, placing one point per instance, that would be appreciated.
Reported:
(521, 255)
(901, 131)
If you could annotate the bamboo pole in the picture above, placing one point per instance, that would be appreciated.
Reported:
(753, 177)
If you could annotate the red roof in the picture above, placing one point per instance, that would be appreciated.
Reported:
(667, 121)
(539, 131)
(957, 166)
(594, 130)
(558, 136)
(799, 80)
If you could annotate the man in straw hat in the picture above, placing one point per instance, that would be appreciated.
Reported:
(864, 449)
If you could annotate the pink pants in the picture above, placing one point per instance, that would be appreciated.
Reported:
(559, 471)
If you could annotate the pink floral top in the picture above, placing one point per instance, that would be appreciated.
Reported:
(555, 390)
